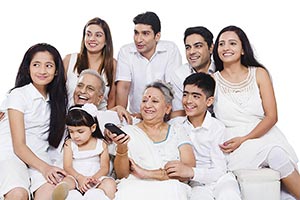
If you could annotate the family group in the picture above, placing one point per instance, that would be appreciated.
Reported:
(182, 129)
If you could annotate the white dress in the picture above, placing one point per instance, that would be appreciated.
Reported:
(151, 156)
(87, 162)
(72, 79)
(239, 107)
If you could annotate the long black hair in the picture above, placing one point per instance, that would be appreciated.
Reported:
(56, 89)
(107, 63)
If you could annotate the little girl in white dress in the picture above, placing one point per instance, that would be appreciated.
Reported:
(86, 158)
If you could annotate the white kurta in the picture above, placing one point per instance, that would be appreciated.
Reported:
(150, 155)
(239, 107)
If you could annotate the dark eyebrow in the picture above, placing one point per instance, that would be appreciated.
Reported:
(193, 93)
(232, 40)
(99, 32)
(197, 43)
(146, 32)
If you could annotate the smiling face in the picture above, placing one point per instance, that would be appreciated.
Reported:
(88, 90)
(145, 40)
(230, 48)
(195, 102)
(94, 38)
(42, 70)
(197, 52)
(154, 106)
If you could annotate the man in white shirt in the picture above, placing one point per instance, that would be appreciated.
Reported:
(209, 179)
(90, 89)
(146, 60)
(198, 43)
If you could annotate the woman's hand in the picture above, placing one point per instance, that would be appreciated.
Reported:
(118, 139)
(53, 174)
(137, 170)
(107, 138)
(232, 144)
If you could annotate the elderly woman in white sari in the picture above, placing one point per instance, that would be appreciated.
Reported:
(142, 153)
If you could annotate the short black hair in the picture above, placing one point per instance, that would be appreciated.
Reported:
(148, 18)
(203, 81)
(200, 30)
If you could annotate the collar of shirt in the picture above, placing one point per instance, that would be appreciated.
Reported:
(211, 69)
(35, 94)
(160, 47)
(205, 125)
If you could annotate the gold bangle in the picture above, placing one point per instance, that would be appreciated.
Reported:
(121, 154)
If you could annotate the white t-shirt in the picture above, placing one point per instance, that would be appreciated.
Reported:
(36, 111)
(138, 70)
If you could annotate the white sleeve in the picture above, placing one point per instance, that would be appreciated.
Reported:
(177, 85)
(174, 62)
(182, 135)
(123, 72)
(16, 100)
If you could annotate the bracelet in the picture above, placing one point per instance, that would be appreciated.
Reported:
(121, 154)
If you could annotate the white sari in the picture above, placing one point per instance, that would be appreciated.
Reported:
(151, 156)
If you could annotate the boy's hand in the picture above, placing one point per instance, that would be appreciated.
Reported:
(177, 170)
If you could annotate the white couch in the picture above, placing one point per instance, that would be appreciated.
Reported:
(260, 184)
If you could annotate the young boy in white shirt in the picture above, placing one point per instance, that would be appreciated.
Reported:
(209, 179)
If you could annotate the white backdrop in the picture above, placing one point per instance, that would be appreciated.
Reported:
(272, 27)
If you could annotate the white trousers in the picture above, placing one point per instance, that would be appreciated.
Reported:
(226, 188)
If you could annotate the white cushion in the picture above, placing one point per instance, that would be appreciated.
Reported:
(259, 184)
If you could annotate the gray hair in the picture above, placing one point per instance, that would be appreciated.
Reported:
(165, 88)
(97, 75)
